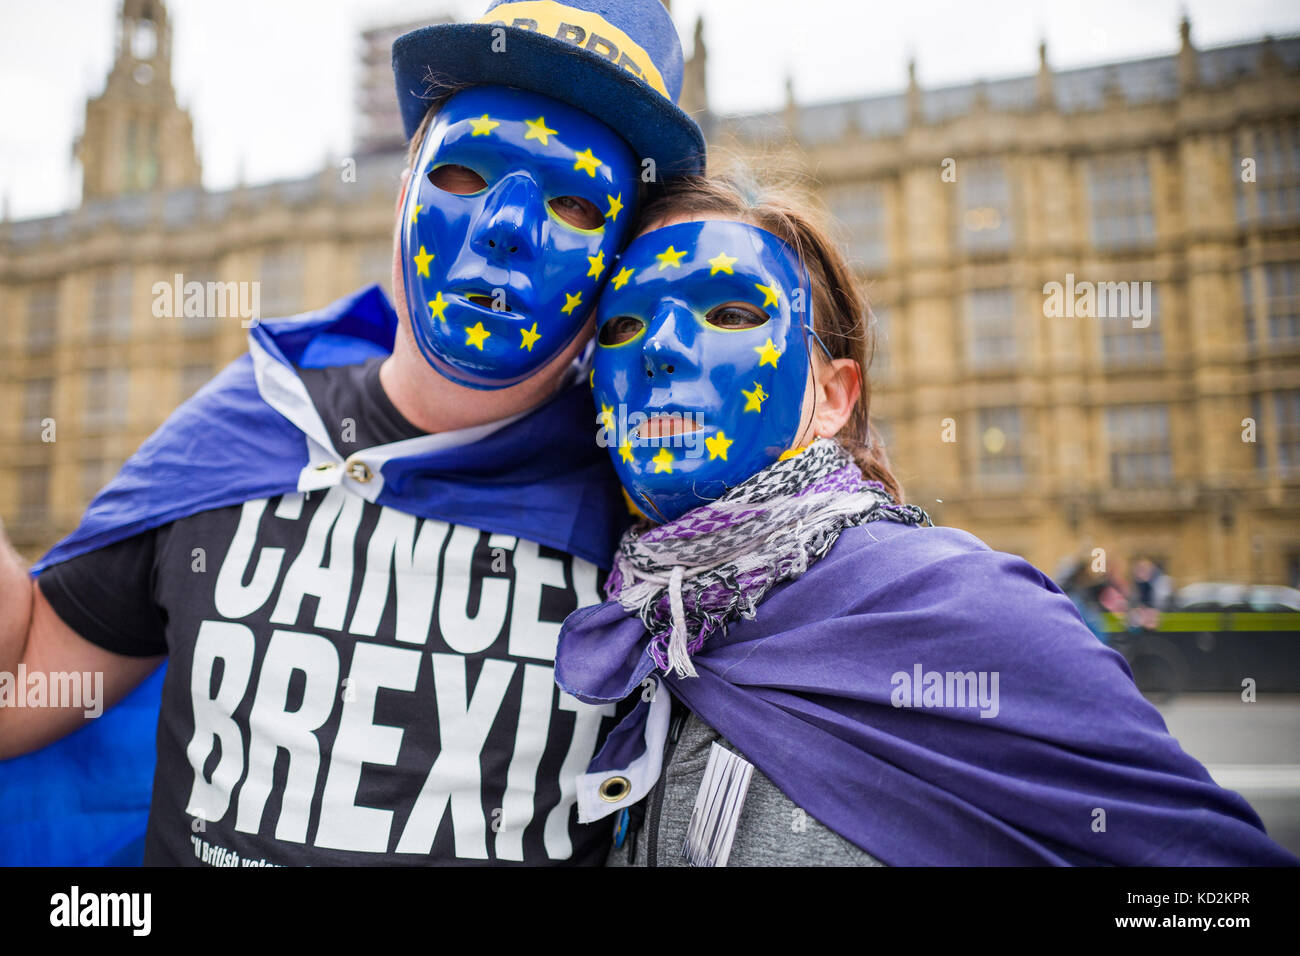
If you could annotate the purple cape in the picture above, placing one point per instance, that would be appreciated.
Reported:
(1071, 766)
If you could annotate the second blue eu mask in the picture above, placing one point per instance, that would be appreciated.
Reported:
(701, 361)
(518, 204)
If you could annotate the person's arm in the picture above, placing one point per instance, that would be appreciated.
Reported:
(33, 635)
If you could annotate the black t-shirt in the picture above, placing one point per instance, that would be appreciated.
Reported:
(348, 683)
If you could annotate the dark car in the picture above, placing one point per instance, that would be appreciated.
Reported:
(1216, 637)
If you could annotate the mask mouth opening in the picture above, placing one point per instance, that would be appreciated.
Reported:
(493, 303)
(669, 425)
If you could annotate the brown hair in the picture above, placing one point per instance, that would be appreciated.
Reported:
(417, 138)
(840, 308)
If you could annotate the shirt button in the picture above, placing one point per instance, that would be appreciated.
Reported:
(359, 471)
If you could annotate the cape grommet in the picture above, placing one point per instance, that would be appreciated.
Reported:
(615, 789)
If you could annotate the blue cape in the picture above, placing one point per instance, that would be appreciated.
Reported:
(1072, 766)
(84, 800)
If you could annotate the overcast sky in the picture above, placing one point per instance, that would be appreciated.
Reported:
(270, 83)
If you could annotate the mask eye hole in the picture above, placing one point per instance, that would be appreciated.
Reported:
(620, 329)
(736, 317)
(577, 212)
(457, 179)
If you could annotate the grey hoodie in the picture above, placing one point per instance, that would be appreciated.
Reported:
(773, 830)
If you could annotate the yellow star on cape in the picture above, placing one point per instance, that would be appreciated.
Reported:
(587, 162)
(597, 264)
(476, 335)
(625, 451)
(620, 280)
(415, 212)
(607, 416)
(718, 446)
(663, 461)
(537, 130)
(722, 263)
(571, 302)
(670, 257)
(530, 337)
(483, 125)
(437, 306)
(771, 294)
(615, 206)
(422, 262)
(756, 398)
(767, 354)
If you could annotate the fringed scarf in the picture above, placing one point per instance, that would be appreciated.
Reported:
(688, 578)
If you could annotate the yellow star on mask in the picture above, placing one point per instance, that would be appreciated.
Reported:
(767, 354)
(771, 295)
(530, 337)
(597, 264)
(722, 263)
(620, 280)
(670, 257)
(607, 416)
(718, 446)
(755, 399)
(483, 126)
(422, 262)
(615, 206)
(625, 451)
(663, 461)
(571, 302)
(438, 306)
(587, 162)
(537, 130)
(415, 212)
(476, 335)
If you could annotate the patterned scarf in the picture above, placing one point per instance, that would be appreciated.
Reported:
(713, 565)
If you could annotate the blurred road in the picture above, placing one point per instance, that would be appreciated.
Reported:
(1253, 749)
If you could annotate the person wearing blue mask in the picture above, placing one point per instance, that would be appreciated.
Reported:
(354, 547)
(819, 675)
(505, 274)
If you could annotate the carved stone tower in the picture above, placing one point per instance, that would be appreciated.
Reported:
(136, 137)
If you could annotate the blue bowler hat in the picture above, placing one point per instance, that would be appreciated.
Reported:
(618, 60)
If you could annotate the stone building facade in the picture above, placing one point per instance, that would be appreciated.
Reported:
(1170, 431)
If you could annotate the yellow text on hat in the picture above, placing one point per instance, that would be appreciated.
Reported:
(582, 28)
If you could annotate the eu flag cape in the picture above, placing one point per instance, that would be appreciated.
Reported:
(839, 690)
(251, 433)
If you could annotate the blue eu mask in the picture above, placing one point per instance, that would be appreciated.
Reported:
(701, 361)
(517, 206)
